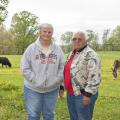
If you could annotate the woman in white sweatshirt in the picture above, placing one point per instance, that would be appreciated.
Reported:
(42, 65)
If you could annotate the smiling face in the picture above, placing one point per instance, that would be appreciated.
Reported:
(79, 40)
(46, 33)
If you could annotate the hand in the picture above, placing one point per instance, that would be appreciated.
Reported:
(61, 93)
(86, 100)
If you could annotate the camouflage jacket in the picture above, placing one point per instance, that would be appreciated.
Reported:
(85, 72)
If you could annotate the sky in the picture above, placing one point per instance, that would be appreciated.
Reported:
(70, 15)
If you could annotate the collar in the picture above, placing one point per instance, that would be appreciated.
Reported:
(39, 46)
(81, 49)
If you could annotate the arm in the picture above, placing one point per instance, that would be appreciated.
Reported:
(25, 65)
(61, 66)
(93, 78)
(60, 73)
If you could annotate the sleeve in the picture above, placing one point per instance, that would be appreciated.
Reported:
(61, 69)
(94, 76)
(25, 65)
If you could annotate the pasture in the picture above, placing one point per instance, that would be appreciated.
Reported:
(12, 105)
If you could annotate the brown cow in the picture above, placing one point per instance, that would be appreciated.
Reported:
(115, 68)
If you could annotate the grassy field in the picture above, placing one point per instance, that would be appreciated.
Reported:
(12, 105)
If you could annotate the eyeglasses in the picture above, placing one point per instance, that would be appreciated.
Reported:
(74, 39)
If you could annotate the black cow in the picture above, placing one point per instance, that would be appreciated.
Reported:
(5, 61)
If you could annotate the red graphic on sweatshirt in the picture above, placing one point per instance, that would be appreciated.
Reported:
(51, 59)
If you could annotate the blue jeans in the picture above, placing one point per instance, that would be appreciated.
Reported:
(37, 103)
(77, 110)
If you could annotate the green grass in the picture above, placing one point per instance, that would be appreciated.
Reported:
(12, 106)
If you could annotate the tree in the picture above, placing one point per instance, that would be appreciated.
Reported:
(66, 38)
(92, 39)
(105, 35)
(6, 41)
(114, 39)
(66, 41)
(3, 11)
(2, 37)
(105, 39)
(24, 26)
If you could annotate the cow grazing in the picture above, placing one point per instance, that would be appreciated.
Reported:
(115, 68)
(5, 61)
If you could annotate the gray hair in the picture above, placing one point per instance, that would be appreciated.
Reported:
(81, 33)
(45, 25)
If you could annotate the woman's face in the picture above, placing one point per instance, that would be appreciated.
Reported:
(78, 40)
(46, 33)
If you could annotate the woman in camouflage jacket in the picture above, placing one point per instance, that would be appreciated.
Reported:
(82, 77)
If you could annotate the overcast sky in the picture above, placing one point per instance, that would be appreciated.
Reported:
(70, 15)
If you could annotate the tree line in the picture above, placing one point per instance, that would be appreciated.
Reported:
(110, 40)
(24, 30)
